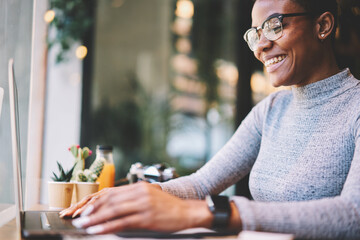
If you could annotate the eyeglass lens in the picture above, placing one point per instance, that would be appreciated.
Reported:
(271, 28)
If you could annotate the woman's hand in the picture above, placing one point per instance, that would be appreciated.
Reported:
(142, 206)
(76, 209)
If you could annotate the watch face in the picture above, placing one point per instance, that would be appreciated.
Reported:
(221, 202)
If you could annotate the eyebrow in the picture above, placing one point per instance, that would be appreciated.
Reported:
(271, 16)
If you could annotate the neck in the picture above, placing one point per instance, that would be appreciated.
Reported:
(325, 66)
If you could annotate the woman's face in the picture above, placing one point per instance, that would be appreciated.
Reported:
(297, 49)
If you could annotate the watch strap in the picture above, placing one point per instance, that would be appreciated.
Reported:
(219, 206)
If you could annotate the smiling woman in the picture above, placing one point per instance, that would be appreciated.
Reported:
(301, 146)
(305, 37)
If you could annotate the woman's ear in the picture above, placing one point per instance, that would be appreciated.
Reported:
(325, 25)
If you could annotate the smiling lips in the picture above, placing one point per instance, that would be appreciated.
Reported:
(274, 60)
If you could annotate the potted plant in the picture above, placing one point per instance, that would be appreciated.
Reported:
(80, 155)
(85, 181)
(61, 189)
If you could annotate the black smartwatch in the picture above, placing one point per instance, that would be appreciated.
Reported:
(219, 206)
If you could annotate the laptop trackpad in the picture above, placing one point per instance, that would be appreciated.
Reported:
(37, 220)
(51, 220)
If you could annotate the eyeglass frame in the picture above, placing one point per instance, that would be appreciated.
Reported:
(280, 16)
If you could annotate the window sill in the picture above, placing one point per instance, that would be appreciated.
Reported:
(7, 213)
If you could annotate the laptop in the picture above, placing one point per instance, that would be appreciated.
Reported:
(48, 224)
(33, 224)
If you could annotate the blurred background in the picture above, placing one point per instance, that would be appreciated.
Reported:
(162, 81)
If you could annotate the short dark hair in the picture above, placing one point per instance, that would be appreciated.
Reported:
(318, 7)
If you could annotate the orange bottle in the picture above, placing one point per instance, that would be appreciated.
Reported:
(107, 176)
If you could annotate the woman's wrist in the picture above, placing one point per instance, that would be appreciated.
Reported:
(157, 186)
(198, 214)
(235, 223)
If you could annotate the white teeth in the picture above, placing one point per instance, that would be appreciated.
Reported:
(274, 60)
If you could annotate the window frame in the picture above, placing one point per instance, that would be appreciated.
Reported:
(36, 106)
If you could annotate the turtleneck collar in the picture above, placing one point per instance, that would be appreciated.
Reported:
(327, 88)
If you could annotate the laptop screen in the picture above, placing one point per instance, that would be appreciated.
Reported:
(1, 98)
(15, 139)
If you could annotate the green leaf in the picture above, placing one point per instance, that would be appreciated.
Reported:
(62, 172)
(55, 178)
(68, 175)
(65, 176)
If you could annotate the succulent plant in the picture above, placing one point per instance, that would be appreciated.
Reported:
(80, 176)
(91, 177)
(97, 166)
(64, 176)
(80, 154)
(91, 174)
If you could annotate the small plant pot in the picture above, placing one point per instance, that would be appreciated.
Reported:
(60, 194)
(83, 189)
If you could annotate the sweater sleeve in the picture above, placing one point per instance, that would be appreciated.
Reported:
(229, 165)
(328, 218)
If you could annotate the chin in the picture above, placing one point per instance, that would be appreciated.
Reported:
(276, 81)
(284, 79)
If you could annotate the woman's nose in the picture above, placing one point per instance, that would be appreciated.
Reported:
(263, 43)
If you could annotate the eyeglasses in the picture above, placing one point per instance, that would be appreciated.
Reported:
(272, 29)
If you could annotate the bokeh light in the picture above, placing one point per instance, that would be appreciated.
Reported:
(183, 45)
(49, 16)
(81, 52)
(184, 9)
(227, 71)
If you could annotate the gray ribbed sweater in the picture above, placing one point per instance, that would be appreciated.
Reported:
(302, 148)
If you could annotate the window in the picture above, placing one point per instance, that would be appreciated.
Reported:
(15, 42)
(139, 88)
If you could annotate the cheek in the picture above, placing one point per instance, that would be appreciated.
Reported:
(298, 40)
(257, 55)
(295, 47)
(288, 41)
